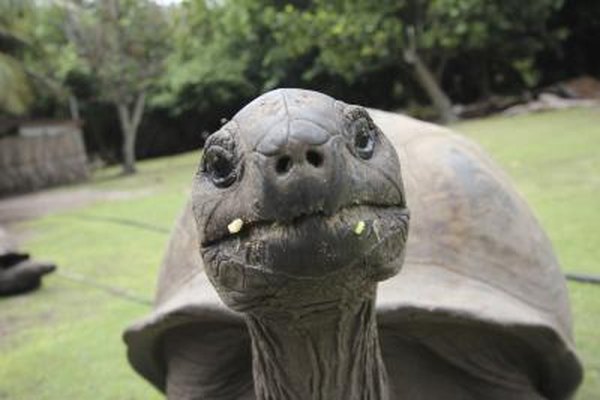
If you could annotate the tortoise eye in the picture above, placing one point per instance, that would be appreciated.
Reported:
(220, 166)
(364, 139)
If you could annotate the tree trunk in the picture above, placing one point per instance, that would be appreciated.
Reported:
(427, 80)
(440, 100)
(130, 121)
(74, 108)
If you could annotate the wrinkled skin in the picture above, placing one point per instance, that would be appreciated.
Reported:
(299, 222)
(326, 221)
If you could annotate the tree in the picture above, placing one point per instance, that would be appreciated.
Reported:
(214, 47)
(16, 93)
(123, 44)
(227, 49)
(49, 58)
(354, 37)
(35, 56)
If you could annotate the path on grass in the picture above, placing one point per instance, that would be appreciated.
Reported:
(35, 205)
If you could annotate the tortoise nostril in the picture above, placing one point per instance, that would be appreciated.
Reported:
(314, 158)
(284, 164)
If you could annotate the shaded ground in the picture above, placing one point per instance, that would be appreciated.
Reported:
(64, 341)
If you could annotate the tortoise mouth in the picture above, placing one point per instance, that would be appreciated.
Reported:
(315, 244)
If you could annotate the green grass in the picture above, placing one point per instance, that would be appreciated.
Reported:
(63, 342)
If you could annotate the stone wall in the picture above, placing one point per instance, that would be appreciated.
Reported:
(42, 155)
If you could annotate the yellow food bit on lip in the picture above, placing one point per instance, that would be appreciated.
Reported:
(359, 228)
(235, 226)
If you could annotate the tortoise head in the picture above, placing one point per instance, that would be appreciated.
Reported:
(299, 198)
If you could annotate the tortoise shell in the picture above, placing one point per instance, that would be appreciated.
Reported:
(478, 266)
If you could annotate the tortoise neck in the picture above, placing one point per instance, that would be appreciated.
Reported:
(329, 354)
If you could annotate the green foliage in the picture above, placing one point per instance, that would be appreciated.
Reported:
(121, 42)
(39, 59)
(206, 65)
(16, 95)
(15, 89)
(206, 57)
(353, 37)
(228, 49)
(52, 55)
(347, 38)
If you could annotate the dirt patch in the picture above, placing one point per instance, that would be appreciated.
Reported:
(549, 102)
(14, 210)
(36, 205)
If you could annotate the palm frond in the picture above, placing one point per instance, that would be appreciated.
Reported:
(15, 91)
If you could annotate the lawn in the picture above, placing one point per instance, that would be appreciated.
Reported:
(63, 342)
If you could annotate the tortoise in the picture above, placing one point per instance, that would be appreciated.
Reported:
(292, 272)
(18, 272)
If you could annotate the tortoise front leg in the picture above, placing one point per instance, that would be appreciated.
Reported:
(208, 362)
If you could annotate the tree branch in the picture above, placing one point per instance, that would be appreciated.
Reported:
(138, 110)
